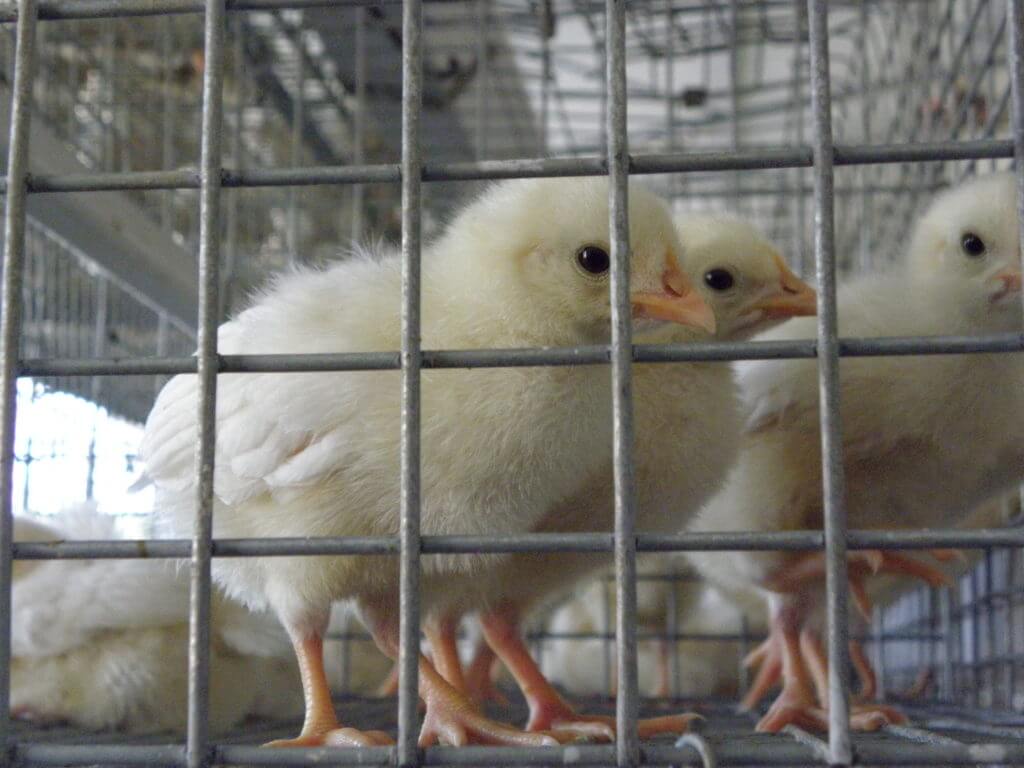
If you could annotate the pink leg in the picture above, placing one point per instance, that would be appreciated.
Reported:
(451, 718)
(480, 675)
(548, 710)
(321, 727)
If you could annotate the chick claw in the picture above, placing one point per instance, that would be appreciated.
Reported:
(336, 737)
(861, 564)
(556, 715)
(452, 719)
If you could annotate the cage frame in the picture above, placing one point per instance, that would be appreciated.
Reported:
(821, 155)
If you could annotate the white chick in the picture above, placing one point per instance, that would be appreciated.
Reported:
(704, 667)
(913, 431)
(686, 438)
(104, 645)
(317, 454)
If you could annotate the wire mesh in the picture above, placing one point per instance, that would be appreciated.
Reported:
(747, 104)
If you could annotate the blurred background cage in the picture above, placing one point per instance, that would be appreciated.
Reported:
(112, 274)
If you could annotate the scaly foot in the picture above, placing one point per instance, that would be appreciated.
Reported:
(336, 737)
(480, 678)
(861, 564)
(553, 713)
(454, 720)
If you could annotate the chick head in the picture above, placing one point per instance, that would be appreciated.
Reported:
(741, 275)
(969, 230)
(543, 247)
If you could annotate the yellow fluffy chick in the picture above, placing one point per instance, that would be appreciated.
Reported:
(924, 438)
(686, 437)
(317, 454)
(104, 645)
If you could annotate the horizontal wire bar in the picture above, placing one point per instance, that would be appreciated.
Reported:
(529, 542)
(770, 751)
(532, 357)
(739, 160)
(57, 10)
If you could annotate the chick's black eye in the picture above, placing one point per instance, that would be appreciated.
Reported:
(972, 244)
(719, 279)
(593, 259)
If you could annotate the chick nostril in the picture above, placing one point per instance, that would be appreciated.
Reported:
(666, 283)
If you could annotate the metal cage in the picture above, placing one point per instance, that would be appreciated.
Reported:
(258, 132)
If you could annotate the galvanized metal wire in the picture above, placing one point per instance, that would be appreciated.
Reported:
(863, 154)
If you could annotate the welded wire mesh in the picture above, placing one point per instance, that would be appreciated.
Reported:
(235, 131)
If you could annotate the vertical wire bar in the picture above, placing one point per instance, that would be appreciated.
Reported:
(946, 618)
(10, 330)
(878, 633)
(234, 197)
(606, 631)
(482, 76)
(798, 119)
(1015, 54)
(828, 387)
(744, 670)
(99, 338)
(197, 747)
(409, 612)
(989, 670)
(672, 627)
(975, 630)
(627, 745)
(167, 120)
(359, 122)
(547, 21)
(298, 118)
(670, 87)
(734, 93)
(864, 172)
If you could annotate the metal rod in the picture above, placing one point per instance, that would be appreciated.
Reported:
(840, 752)
(642, 164)
(728, 752)
(507, 358)
(627, 707)
(536, 542)
(409, 613)
(234, 198)
(10, 328)
(1015, 53)
(359, 124)
(481, 122)
(298, 121)
(197, 748)
(948, 642)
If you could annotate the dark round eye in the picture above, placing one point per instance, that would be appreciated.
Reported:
(593, 259)
(972, 244)
(719, 279)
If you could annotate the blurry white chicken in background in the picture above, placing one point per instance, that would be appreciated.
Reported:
(705, 668)
(925, 438)
(686, 430)
(317, 454)
(103, 644)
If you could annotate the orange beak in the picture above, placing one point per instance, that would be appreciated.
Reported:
(795, 298)
(677, 303)
(1009, 281)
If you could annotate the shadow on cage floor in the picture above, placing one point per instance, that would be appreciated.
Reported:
(932, 723)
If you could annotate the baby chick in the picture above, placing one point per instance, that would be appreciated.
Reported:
(104, 645)
(686, 437)
(704, 667)
(913, 430)
(317, 454)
